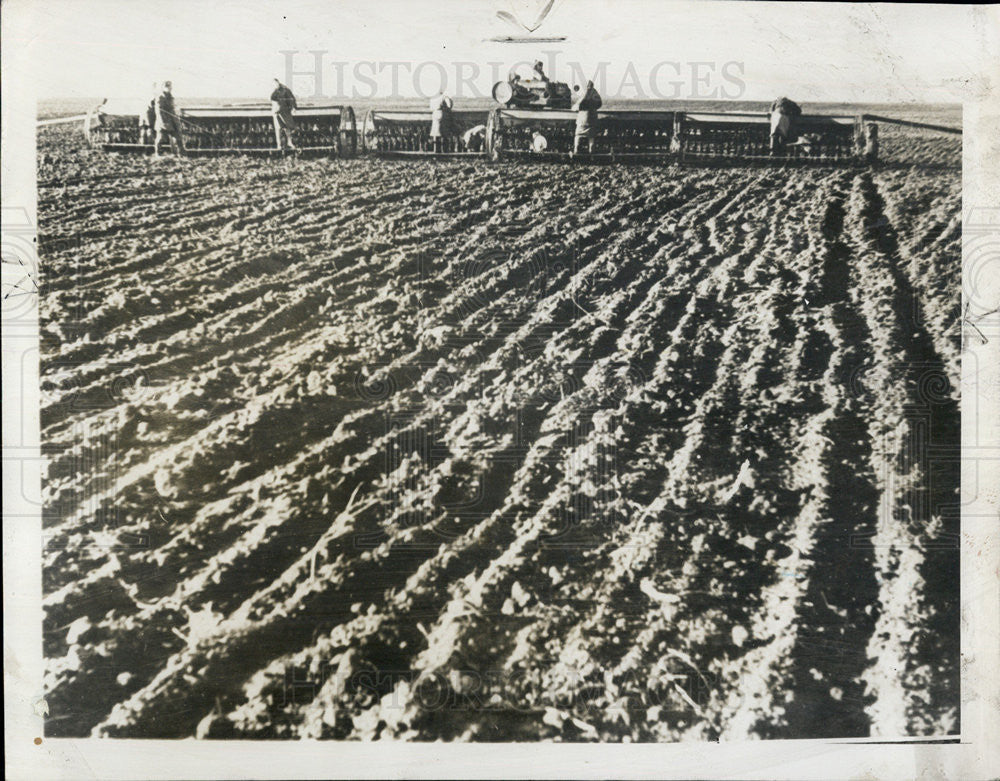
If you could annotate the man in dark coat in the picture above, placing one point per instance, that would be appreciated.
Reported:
(147, 119)
(282, 105)
(586, 104)
(783, 114)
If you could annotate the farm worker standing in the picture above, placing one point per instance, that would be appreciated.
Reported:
(871, 142)
(440, 119)
(147, 120)
(586, 104)
(282, 105)
(168, 126)
(783, 111)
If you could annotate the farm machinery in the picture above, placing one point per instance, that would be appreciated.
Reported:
(528, 108)
(532, 93)
(408, 134)
(531, 122)
(213, 130)
(747, 136)
(548, 134)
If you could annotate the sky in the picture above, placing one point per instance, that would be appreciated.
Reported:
(638, 48)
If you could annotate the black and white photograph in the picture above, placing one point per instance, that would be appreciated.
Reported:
(502, 371)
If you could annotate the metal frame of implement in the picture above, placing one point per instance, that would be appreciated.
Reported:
(407, 133)
(214, 130)
(680, 135)
(622, 135)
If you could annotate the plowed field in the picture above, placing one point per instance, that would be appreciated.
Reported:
(379, 449)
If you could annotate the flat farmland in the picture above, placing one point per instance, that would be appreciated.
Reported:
(469, 451)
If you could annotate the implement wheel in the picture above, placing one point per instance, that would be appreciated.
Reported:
(493, 140)
(368, 139)
(503, 93)
(347, 142)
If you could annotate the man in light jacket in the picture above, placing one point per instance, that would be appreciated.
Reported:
(440, 106)
(168, 123)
